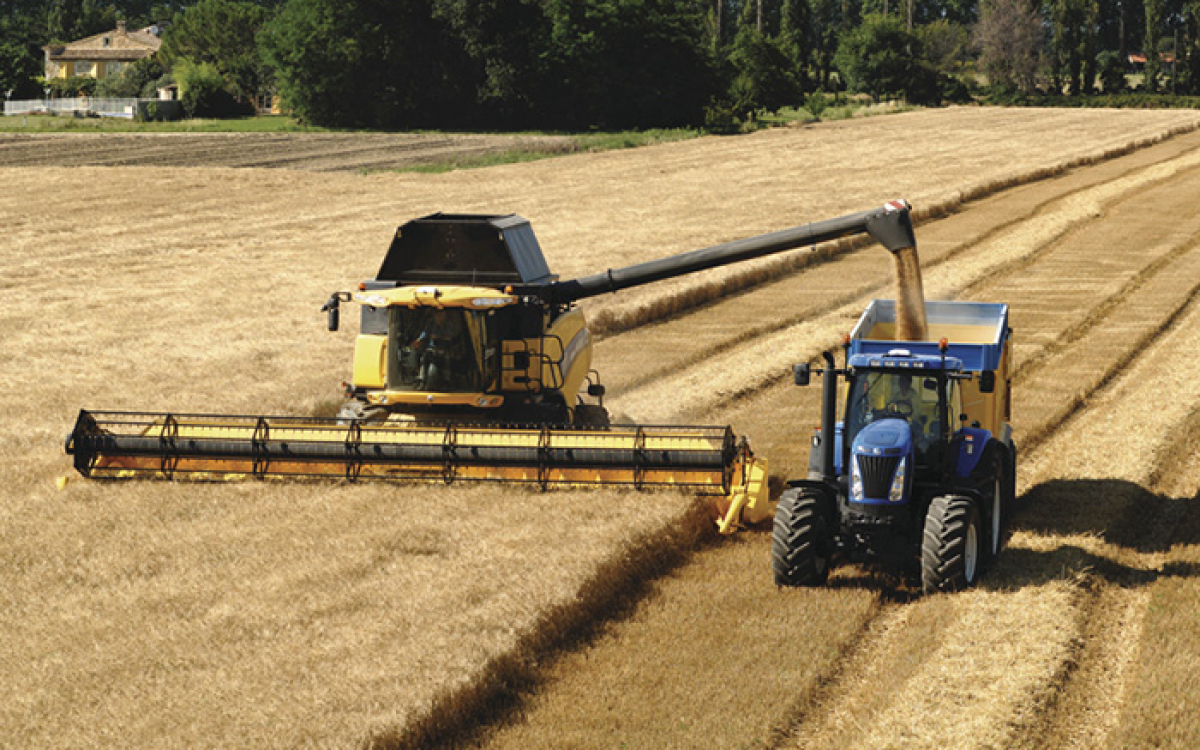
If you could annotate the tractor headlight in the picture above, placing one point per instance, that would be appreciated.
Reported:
(856, 483)
(896, 493)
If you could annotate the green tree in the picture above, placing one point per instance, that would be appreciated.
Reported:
(1154, 18)
(366, 63)
(221, 33)
(638, 63)
(20, 58)
(1112, 72)
(1009, 39)
(828, 21)
(796, 39)
(883, 59)
(764, 77)
(68, 20)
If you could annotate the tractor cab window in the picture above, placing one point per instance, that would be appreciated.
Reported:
(446, 350)
(910, 396)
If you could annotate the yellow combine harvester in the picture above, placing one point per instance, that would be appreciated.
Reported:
(473, 363)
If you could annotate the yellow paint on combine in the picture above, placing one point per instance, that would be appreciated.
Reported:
(370, 361)
(475, 298)
(214, 448)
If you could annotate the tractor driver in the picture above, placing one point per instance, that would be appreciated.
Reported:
(909, 403)
(904, 396)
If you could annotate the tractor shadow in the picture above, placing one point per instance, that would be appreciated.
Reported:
(1103, 528)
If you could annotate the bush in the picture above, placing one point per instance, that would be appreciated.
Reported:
(133, 80)
(66, 88)
(1112, 72)
(204, 93)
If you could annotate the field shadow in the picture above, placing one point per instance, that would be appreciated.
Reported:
(1126, 517)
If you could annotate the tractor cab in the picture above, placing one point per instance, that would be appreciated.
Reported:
(897, 423)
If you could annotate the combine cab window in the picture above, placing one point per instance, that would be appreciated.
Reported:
(443, 351)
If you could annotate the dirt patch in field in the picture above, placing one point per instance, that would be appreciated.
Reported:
(309, 152)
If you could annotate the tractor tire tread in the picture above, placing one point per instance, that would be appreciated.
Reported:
(799, 540)
(943, 547)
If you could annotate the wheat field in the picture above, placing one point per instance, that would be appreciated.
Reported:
(142, 614)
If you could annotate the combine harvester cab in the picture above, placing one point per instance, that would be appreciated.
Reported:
(473, 362)
(920, 471)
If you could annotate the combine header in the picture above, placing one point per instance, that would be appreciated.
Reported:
(473, 363)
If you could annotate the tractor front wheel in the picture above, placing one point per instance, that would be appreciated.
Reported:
(800, 544)
(950, 549)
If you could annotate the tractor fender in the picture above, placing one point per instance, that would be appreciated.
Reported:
(969, 443)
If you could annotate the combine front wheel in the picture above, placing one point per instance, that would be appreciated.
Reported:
(800, 540)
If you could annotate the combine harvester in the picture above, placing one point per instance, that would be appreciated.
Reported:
(473, 363)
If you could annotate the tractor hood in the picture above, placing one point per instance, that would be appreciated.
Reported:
(887, 437)
(879, 465)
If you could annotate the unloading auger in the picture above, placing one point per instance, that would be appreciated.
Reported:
(473, 363)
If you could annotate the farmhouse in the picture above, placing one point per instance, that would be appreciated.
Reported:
(101, 55)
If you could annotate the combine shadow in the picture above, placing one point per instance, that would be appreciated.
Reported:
(1128, 519)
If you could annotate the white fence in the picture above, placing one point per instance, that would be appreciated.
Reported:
(84, 105)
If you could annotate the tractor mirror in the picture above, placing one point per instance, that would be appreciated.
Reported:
(801, 373)
(333, 316)
(987, 381)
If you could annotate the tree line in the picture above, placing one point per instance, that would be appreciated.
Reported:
(609, 64)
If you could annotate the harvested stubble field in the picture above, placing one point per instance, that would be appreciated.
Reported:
(151, 614)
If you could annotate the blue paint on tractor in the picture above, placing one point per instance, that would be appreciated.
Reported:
(971, 441)
(880, 451)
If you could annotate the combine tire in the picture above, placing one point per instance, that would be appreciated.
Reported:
(590, 415)
(800, 540)
(950, 550)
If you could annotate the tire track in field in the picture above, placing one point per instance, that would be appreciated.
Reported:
(891, 624)
(1083, 709)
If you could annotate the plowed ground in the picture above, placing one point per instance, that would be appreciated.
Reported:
(315, 152)
(151, 614)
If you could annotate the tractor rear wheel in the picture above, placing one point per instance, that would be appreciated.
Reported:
(800, 544)
(951, 547)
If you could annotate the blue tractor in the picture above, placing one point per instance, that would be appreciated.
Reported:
(918, 473)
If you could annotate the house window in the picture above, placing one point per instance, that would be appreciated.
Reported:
(83, 68)
(107, 41)
(113, 68)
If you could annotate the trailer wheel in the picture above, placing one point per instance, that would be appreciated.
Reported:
(996, 485)
(950, 549)
(800, 544)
